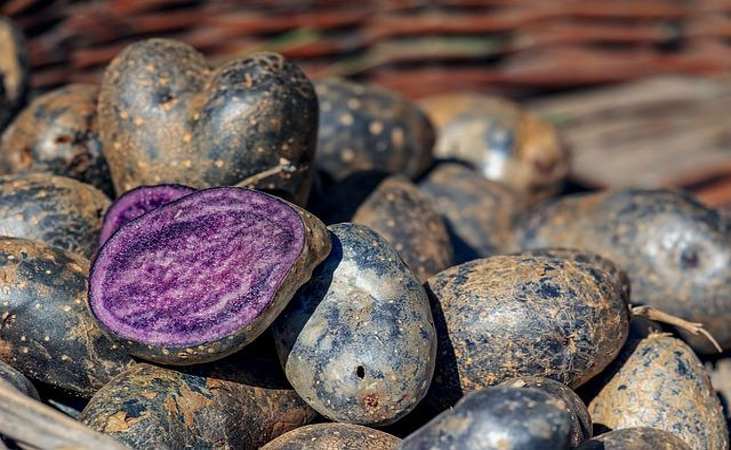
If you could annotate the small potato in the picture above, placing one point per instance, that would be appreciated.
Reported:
(368, 128)
(580, 421)
(47, 332)
(58, 211)
(479, 213)
(334, 436)
(559, 317)
(501, 140)
(497, 418)
(239, 403)
(658, 382)
(636, 439)
(13, 70)
(58, 133)
(676, 252)
(357, 341)
(407, 219)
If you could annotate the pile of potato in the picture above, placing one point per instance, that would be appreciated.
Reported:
(237, 257)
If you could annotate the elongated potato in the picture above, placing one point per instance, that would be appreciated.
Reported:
(334, 436)
(658, 382)
(47, 332)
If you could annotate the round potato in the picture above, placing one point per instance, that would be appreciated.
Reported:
(636, 439)
(334, 436)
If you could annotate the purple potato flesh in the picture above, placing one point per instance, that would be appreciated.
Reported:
(137, 202)
(201, 277)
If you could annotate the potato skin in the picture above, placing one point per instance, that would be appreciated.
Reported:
(638, 438)
(334, 436)
(523, 315)
(166, 117)
(580, 420)
(407, 219)
(357, 341)
(47, 332)
(58, 133)
(662, 375)
(16, 379)
(675, 251)
(13, 70)
(479, 212)
(240, 405)
(369, 128)
(59, 211)
(501, 140)
(497, 418)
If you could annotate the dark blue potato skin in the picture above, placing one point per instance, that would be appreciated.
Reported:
(676, 251)
(239, 403)
(14, 72)
(357, 341)
(58, 133)
(636, 439)
(497, 418)
(166, 117)
(663, 375)
(368, 128)
(58, 211)
(17, 380)
(555, 316)
(580, 421)
(479, 213)
(334, 436)
(46, 331)
(408, 220)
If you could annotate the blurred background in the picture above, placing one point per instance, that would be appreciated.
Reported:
(640, 90)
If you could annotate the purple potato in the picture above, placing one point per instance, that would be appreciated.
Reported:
(358, 342)
(198, 279)
(167, 117)
(334, 436)
(58, 133)
(132, 204)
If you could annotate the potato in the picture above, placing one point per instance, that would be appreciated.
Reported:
(368, 128)
(59, 211)
(239, 403)
(406, 218)
(676, 251)
(497, 418)
(166, 117)
(658, 382)
(58, 133)
(357, 341)
(479, 212)
(636, 439)
(16, 379)
(559, 317)
(501, 140)
(13, 70)
(721, 381)
(198, 279)
(47, 332)
(580, 420)
(334, 436)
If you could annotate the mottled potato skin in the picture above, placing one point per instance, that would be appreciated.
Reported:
(16, 379)
(166, 117)
(58, 133)
(658, 382)
(46, 331)
(407, 219)
(357, 341)
(636, 439)
(479, 213)
(242, 404)
(523, 315)
(676, 251)
(334, 436)
(368, 128)
(504, 142)
(580, 421)
(13, 70)
(59, 211)
(497, 418)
